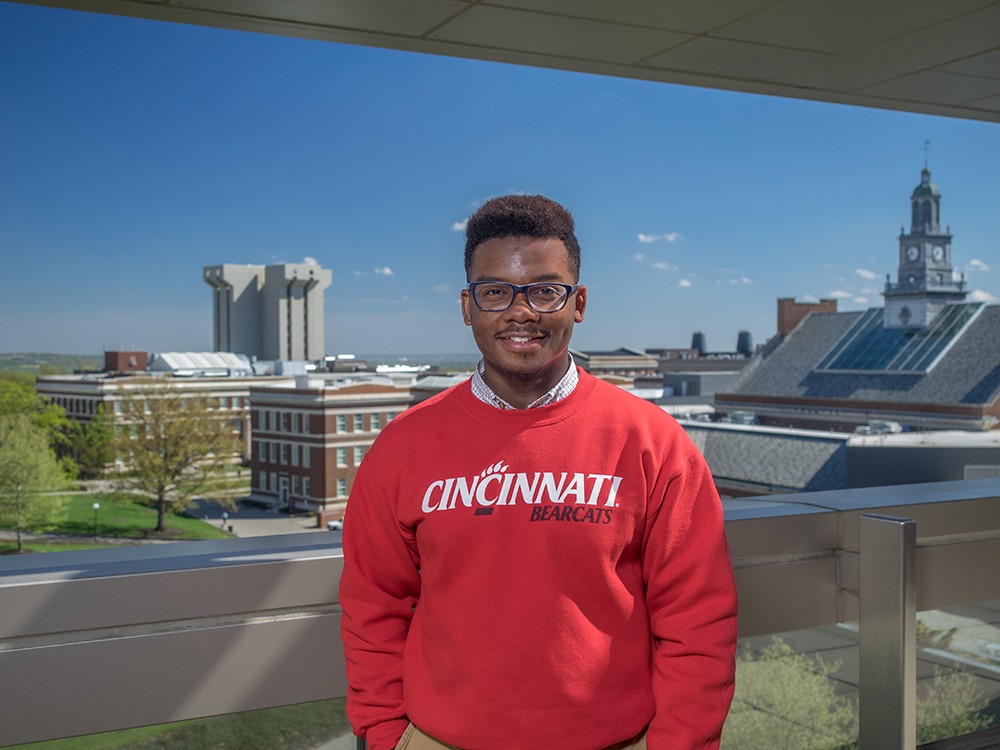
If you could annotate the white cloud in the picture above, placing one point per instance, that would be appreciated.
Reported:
(741, 280)
(661, 265)
(808, 299)
(978, 265)
(839, 294)
(684, 284)
(981, 295)
(360, 273)
(864, 273)
(646, 239)
(441, 288)
(459, 226)
(639, 257)
(860, 300)
(384, 271)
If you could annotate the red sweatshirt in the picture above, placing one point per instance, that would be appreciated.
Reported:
(550, 577)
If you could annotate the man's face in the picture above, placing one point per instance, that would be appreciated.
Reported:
(524, 351)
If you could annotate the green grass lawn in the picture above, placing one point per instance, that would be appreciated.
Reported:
(124, 516)
(121, 517)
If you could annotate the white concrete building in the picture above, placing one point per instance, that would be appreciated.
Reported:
(268, 312)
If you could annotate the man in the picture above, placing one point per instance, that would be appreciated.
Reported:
(535, 558)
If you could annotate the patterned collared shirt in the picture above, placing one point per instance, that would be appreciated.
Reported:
(559, 391)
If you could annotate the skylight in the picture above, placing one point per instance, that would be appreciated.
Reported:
(871, 347)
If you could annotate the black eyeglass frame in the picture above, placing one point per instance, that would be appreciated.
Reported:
(517, 289)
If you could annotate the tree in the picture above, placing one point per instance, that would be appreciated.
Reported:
(173, 447)
(785, 701)
(90, 445)
(18, 396)
(28, 470)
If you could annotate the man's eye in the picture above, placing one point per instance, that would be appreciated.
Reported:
(546, 292)
(494, 291)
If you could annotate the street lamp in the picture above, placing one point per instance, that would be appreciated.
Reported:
(96, 507)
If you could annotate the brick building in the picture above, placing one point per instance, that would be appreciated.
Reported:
(309, 438)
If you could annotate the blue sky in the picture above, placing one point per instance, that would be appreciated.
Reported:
(133, 153)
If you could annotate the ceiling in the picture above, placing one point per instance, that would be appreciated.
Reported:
(930, 56)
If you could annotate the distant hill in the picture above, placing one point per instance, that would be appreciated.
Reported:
(41, 363)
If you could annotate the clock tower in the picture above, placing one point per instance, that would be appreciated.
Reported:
(926, 280)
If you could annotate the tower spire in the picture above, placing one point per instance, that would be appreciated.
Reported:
(927, 148)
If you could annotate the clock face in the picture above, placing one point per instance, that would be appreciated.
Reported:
(938, 253)
(912, 252)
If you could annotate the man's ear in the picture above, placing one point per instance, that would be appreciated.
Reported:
(466, 307)
(581, 304)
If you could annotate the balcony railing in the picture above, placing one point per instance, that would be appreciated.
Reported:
(114, 638)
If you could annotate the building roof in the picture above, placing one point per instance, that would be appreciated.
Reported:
(968, 372)
(198, 361)
(775, 459)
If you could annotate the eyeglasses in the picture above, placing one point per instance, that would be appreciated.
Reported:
(497, 296)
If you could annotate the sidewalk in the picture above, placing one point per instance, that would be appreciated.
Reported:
(247, 521)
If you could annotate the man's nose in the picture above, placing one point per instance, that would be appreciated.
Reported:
(519, 305)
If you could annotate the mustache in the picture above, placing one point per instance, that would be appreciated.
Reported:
(522, 331)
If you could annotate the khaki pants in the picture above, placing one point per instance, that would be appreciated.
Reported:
(414, 739)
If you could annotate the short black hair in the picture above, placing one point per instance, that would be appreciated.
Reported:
(522, 216)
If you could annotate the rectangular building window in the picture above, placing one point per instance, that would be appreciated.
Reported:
(359, 422)
(359, 453)
(295, 484)
(286, 454)
(306, 456)
(305, 424)
(342, 458)
(376, 421)
(341, 487)
(295, 421)
(262, 450)
(285, 421)
(274, 452)
(306, 486)
(295, 455)
(341, 423)
(272, 481)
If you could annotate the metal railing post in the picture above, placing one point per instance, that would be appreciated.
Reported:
(888, 637)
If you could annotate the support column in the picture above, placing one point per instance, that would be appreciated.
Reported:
(888, 637)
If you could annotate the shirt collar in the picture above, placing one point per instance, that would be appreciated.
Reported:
(558, 392)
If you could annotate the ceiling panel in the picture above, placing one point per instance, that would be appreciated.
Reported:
(387, 16)
(942, 88)
(735, 59)
(987, 64)
(845, 25)
(686, 17)
(543, 33)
